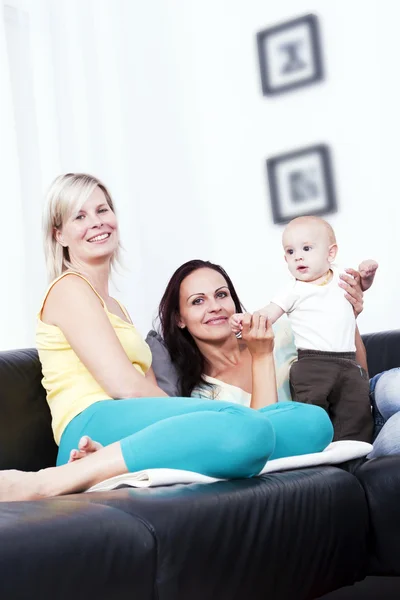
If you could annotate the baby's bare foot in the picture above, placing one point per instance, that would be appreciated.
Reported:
(86, 446)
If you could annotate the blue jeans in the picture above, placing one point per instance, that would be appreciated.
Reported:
(385, 400)
(215, 438)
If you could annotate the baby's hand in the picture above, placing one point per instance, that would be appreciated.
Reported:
(367, 270)
(235, 321)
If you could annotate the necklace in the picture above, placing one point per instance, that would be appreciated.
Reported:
(327, 278)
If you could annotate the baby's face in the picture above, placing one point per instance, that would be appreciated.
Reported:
(306, 249)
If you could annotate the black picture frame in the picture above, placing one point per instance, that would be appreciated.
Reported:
(299, 71)
(301, 183)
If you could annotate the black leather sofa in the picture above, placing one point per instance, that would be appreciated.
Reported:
(292, 535)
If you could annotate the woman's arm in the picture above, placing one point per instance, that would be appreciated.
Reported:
(354, 295)
(258, 334)
(361, 353)
(151, 377)
(264, 382)
(73, 307)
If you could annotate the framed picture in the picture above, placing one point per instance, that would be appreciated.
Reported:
(301, 183)
(290, 55)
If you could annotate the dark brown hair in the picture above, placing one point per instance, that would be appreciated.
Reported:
(184, 352)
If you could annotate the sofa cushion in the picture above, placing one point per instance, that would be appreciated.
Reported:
(297, 534)
(383, 350)
(164, 370)
(67, 549)
(380, 478)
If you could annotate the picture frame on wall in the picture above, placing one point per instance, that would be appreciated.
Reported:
(301, 183)
(290, 55)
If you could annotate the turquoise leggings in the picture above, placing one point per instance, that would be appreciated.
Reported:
(215, 438)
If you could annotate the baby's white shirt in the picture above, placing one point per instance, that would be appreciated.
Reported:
(320, 316)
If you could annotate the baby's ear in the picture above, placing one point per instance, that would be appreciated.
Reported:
(332, 252)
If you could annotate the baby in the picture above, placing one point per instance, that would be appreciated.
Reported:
(324, 326)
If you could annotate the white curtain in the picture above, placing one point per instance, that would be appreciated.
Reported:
(13, 234)
(106, 87)
(60, 111)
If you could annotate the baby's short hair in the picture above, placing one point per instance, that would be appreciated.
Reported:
(317, 221)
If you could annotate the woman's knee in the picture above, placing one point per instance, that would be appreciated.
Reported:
(388, 440)
(317, 423)
(250, 442)
(300, 429)
(387, 393)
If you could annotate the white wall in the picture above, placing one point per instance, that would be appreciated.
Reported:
(162, 101)
(235, 128)
(200, 115)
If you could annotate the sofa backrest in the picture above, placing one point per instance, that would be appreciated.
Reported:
(383, 350)
(26, 438)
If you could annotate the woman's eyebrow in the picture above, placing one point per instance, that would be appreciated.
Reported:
(203, 294)
(197, 294)
(97, 207)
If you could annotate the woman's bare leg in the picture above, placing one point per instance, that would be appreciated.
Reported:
(66, 479)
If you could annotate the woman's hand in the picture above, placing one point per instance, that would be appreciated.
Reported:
(258, 334)
(351, 283)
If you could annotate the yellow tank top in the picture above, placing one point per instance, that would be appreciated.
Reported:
(69, 385)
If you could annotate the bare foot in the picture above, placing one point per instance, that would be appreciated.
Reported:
(19, 485)
(66, 479)
(86, 446)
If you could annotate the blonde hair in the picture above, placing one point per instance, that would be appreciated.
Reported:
(66, 195)
(317, 221)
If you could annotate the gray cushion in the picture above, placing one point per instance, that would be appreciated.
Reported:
(164, 370)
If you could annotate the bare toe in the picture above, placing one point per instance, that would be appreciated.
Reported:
(86, 444)
(77, 455)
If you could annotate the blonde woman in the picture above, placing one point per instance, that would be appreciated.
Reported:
(98, 377)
